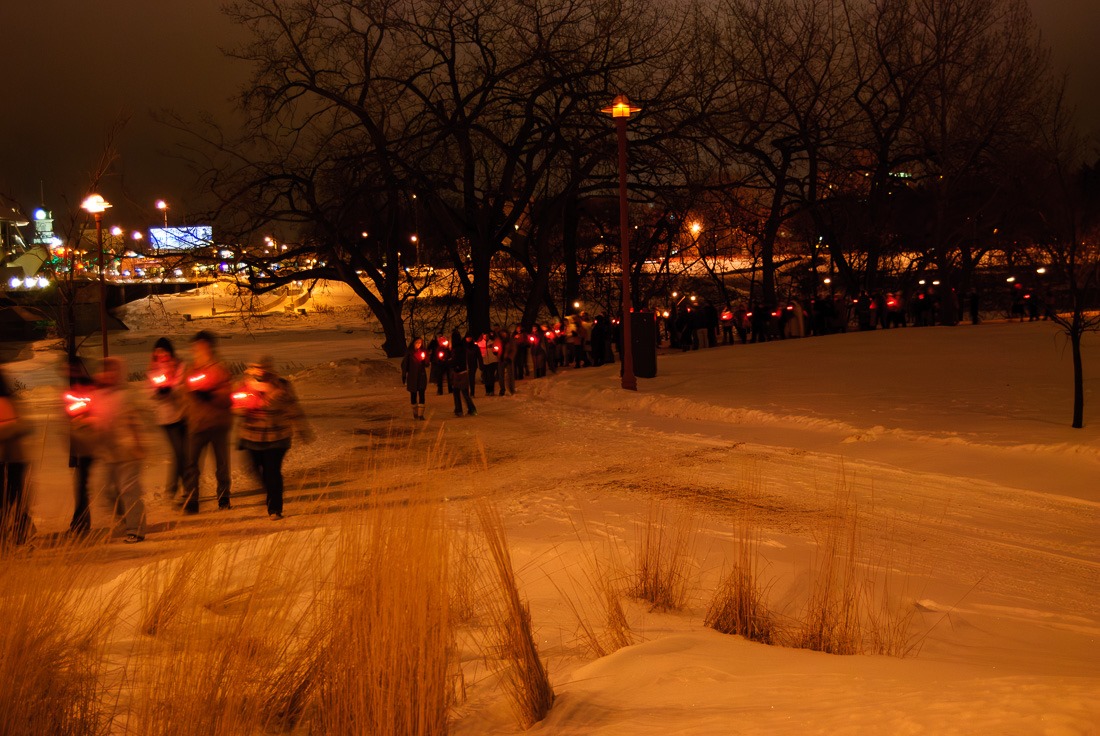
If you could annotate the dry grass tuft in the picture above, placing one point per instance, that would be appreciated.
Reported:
(389, 659)
(53, 646)
(525, 679)
(664, 558)
(738, 606)
(891, 610)
(831, 619)
(166, 587)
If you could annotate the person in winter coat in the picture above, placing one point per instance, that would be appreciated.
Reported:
(536, 342)
(507, 363)
(209, 419)
(15, 521)
(460, 376)
(270, 418)
(120, 446)
(166, 379)
(414, 375)
(519, 363)
(81, 443)
(474, 361)
(492, 362)
(439, 350)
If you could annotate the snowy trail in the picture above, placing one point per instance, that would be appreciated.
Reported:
(969, 482)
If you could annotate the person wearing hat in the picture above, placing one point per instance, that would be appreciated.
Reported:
(270, 418)
(209, 419)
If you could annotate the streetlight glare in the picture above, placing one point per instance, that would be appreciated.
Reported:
(95, 204)
(695, 228)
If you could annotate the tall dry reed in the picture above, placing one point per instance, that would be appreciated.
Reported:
(524, 676)
(54, 628)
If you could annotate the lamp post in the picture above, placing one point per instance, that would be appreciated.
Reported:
(96, 205)
(163, 207)
(621, 110)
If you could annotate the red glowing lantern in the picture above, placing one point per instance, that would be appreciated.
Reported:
(198, 382)
(422, 355)
(244, 400)
(532, 339)
(496, 350)
(441, 355)
(158, 380)
(76, 406)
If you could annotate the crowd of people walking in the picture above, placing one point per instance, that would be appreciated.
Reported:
(500, 357)
(194, 403)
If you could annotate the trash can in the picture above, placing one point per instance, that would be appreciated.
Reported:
(643, 341)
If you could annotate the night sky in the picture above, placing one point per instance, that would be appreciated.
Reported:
(70, 68)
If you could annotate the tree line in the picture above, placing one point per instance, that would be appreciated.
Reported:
(383, 137)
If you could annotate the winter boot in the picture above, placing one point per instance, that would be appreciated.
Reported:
(420, 412)
(416, 411)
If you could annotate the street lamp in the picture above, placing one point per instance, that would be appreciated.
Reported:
(163, 207)
(96, 205)
(621, 110)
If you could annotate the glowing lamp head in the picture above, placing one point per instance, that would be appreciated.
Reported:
(620, 108)
(95, 204)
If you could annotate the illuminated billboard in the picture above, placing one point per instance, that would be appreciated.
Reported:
(181, 238)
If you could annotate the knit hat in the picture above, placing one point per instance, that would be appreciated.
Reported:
(163, 343)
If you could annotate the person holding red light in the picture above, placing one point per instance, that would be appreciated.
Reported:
(166, 382)
(209, 419)
(414, 375)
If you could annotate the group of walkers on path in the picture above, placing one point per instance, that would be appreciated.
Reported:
(194, 403)
(502, 357)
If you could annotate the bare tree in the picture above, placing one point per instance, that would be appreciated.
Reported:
(1063, 221)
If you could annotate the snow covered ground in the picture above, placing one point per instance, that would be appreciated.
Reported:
(954, 443)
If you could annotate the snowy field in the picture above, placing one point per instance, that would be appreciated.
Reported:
(953, 444)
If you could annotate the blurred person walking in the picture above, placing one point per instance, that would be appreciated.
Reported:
(15, 521)
(166, 382)
(208, 419)
(120, 445)
(270, 418)
(414, 375)
(81, 387)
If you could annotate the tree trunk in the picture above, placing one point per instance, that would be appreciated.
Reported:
(1078, 381)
